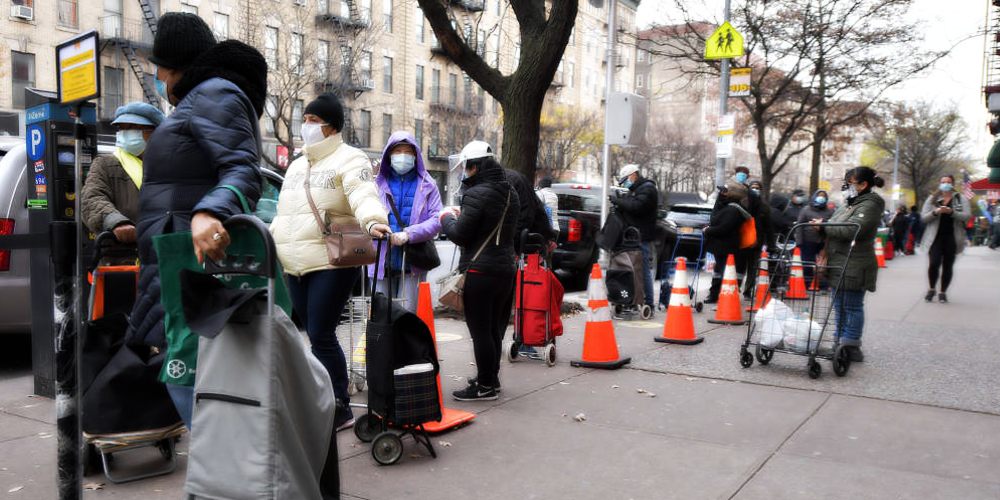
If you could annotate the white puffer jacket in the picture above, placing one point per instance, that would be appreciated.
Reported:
(342, 185)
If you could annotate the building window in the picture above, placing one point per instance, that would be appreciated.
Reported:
(271, 46)
(220, 26)
(386, 127)
(189, 9)
(387, 75)
(22, 75)
(366, 11)
(295, 54)
(297, 110)
(640, 55)
(638, 81)
(387, 15)
(481, 43)
(364, 129)
(323, 60)
(68, 13)
(571, 74)
(271, 113)
(420, 25)
(453, 89)
(420, 83)
(435, 139)
(418, 132)
(26, 3)
(322, 7)
(111, 88)
(435, 86)
(366, 65)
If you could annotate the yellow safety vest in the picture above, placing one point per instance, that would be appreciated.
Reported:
(131, 164)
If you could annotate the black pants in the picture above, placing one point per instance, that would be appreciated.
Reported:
(488, 299)
(942, 256)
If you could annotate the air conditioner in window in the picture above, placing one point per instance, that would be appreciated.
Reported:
(22, 12)
(299, 2)
(368, 83)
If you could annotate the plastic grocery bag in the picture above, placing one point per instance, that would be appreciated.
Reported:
(709, 262)
(801, 334)
(769, 323)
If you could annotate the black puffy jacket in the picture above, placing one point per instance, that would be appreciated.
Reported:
(482, 207)
(639, 207)
(210, 140)
(531, 213)
(722, 236)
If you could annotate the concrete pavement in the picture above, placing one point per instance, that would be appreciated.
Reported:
(919, 419)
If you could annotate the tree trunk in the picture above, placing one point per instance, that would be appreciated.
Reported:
(521, 129)
(817, 158)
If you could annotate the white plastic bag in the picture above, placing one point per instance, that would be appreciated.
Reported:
(769, 323)
(801, 334)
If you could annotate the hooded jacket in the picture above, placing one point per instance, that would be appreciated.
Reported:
(723, 232)
(423, 224)
(639, 207)
(209, 141)
(962, 214)
(483, 202)
(861, 269)
(808, 213)
(342, 186)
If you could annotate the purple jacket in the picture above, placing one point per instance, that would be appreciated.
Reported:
(424, 223)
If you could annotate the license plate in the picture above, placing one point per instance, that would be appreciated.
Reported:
(687, 230)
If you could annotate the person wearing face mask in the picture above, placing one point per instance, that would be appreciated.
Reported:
(808, 238)
(110, 199)
(639, 207)
(864, 207)
(408, 190)
(341, 186)
(747, 260)
(944, 214)
(722, 235)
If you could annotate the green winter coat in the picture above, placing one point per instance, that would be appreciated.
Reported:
(110, 198)
(861, 270)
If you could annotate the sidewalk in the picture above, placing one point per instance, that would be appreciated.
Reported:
(919, 419)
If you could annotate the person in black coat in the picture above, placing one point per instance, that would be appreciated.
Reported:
(747, 260)
(209, 141)
(531, 214)
(722, 236)
(639, 209)
(485, 224)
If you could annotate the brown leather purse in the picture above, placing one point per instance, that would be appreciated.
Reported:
(347, 244)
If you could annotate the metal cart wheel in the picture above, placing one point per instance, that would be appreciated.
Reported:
(746, 359)
(841, 361)
(359, 384)
(645, 312)
(510, 349)
(699, 306)
(549, 354)
(166, 448)
(366, 427)
(92, 460)
(764, 355)
(387, 448)
(815, 370)
(618, 310)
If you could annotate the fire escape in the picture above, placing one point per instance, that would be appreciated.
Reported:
(346, 79)
(130, 39)
(991, 77)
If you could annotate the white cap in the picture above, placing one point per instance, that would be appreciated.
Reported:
(628, 170)
(475, 150)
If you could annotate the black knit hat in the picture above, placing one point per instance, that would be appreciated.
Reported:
(180, 38)
(329, 108)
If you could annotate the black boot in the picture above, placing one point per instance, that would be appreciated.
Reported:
(713, 291)
(855, 354)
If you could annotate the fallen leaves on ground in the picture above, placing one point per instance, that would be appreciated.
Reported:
(444, 443)
(93, 486)
(580, 417)
(15, 489)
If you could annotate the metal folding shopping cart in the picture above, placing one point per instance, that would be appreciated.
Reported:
(688, 240)
(795, 318)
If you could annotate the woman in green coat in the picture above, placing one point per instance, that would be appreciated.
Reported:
(863, 207)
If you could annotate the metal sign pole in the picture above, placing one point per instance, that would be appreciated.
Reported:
(609, 83)
(720, 163)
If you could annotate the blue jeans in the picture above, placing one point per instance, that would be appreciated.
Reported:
(183, 398)
(319, 298)
(849, 306)
(647, 271)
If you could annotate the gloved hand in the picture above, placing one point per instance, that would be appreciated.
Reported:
(399, 239)
(453, 211)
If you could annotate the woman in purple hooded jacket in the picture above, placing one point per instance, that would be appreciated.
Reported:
(403, 181)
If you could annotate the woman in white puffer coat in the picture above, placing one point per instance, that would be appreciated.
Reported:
(342, 186)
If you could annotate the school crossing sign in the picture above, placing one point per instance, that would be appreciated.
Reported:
(725, 43)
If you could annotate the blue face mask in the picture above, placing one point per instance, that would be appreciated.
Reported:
(627, 183)
(161, 88)
(131, 141)
(741, 177)
(402, 163)
(945, 187)
(821, 200)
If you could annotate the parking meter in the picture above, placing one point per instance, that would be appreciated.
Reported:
(50, 151)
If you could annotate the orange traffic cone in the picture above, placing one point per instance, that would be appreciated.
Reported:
(679, 326)
(814, 286)
(797, 280)
(450, 417)
(763, 292)
(879, 254)
(600, 349)
(730, 308)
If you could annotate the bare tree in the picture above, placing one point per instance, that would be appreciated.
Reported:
(931, 143)
(676, 156)
(567, 135)
(544, 30)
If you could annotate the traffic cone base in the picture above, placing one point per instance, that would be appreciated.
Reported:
(762, 292)
(729, 310)
(450, 418)
(678, 328)
(696, 340)
(600, 349)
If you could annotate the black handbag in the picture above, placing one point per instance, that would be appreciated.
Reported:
(423, 255)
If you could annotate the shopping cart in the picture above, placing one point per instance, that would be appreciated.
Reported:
(689, 240)
(794, 318)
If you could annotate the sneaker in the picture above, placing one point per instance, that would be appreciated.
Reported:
(473, 381)
(855, 354)
(930, 296)
(943, 298)
(344, 417)
(475, 392)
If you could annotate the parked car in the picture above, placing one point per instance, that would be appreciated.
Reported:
(15, 299)
(688, 219)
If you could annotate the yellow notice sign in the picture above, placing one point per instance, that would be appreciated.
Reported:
(76, 60)
(725, 43)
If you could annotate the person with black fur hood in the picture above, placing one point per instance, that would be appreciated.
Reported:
(210, 141)
(722, 235)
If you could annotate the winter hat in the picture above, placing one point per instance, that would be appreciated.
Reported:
(329, 108)
(230, 60)
(138, 113)
(180, 38)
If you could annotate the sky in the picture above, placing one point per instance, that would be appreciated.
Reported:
(954, 80)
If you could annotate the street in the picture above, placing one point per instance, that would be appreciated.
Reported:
(920, 418)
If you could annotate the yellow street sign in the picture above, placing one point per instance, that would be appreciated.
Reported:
(725, 43)
(77, 66)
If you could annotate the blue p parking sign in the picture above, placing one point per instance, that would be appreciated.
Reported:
(36, 142)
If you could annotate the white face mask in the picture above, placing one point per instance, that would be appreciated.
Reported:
(312, 133)
(402, 163)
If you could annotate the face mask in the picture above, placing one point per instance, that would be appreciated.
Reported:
(161, 88)
(945, 187)
(741, 177)
(820, 200)
(627, 183)
(312, 133)
(797, 200)
(850, 192)
(131, 141)
(755, 190)
(402, 163)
